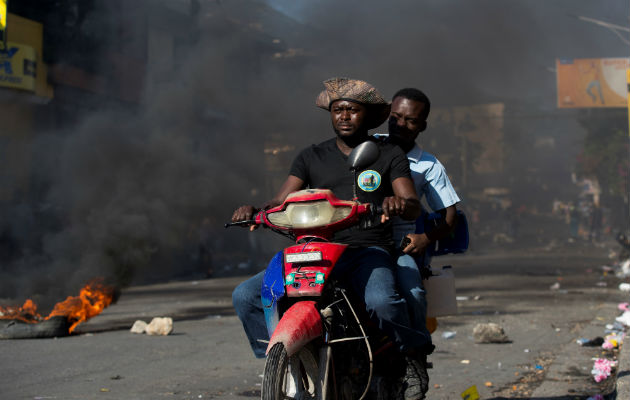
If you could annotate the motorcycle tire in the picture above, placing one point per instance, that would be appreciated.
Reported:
(292, 377)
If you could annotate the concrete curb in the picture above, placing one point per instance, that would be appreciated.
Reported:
(623, 372)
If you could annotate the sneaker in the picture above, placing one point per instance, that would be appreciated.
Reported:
(416, 383)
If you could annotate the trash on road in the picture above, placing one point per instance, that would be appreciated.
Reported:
(471, 393)
(624, 318)
(449, 334)
(158, 326)
(555, 286)
(464, 362)
(613, 341)
(624, 287)
(602, 368)
(139, 326)
(595, 342)
(489, 333)
(488, 384)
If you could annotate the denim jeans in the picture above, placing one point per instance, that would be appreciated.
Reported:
(369, 272)
(411, 289)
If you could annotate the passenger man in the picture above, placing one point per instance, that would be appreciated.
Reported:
(408, 118)
(354, 106)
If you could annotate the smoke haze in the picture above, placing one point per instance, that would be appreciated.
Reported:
(130, 193)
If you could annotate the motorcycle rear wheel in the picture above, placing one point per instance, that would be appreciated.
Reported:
(292, 377)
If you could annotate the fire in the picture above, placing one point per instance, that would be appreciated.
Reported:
(91, 301)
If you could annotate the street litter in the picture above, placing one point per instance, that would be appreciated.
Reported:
(449, 335)
(595, 342)
(464, 362)
(555, 286)
(601, 284)
(139, 326)
(624, 269)
(488, 384)
(471, 393)
(602, 368)
(489, 333)
(613, 341)
(624, 287)
(462, 298)
(539, 367)
(158, 326)
(624, 318)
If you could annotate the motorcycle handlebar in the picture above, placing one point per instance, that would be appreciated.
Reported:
(245, 223)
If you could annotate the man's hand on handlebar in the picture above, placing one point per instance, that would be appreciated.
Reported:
(393, 205)
(245, 213)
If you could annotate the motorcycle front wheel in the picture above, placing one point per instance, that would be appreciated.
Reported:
(292, 377)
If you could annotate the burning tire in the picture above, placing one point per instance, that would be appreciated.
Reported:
(52, 327)
(290, 377)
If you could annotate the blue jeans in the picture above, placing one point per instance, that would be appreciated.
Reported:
(369, 272)
(411, 289)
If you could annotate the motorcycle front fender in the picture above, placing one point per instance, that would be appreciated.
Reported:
(300, 324)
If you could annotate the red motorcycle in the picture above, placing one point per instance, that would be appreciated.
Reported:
(322, 344)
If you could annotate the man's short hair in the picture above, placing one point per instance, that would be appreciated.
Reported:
(416, 95)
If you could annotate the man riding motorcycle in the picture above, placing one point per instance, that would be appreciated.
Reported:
(367, 265)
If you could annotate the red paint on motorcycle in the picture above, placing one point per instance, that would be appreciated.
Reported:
(304, 273)
(300, 324)
(327, 231)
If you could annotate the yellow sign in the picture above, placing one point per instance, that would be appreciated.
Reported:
(470, 393)
(3, 23)
(18, 66)
(592, 82)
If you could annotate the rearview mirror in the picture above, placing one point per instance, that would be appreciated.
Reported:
(363, 155)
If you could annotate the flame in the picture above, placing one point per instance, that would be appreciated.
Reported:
(91, 301)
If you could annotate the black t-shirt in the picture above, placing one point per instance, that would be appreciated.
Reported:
(324, 166)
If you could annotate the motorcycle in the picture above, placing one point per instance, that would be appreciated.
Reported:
(322, 343)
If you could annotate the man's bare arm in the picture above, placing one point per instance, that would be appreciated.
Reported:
(292, 184)
(404, 203)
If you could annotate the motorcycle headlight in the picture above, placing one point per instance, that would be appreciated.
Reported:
(309, 215)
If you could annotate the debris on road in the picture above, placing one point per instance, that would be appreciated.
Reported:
(595, 342)
(489, 333)
(157, 327)
(139, 326)
(555, 286)
(471, 393)
(624, 318)
(602, 368)
(449, 334)
(160, 326)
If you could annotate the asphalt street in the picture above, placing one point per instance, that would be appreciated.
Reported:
(207, 355)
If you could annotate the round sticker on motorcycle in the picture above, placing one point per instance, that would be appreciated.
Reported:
(369, 180)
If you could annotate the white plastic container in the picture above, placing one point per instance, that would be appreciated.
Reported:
(440, 292)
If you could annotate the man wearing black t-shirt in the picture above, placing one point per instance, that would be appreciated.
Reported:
(355, 107)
